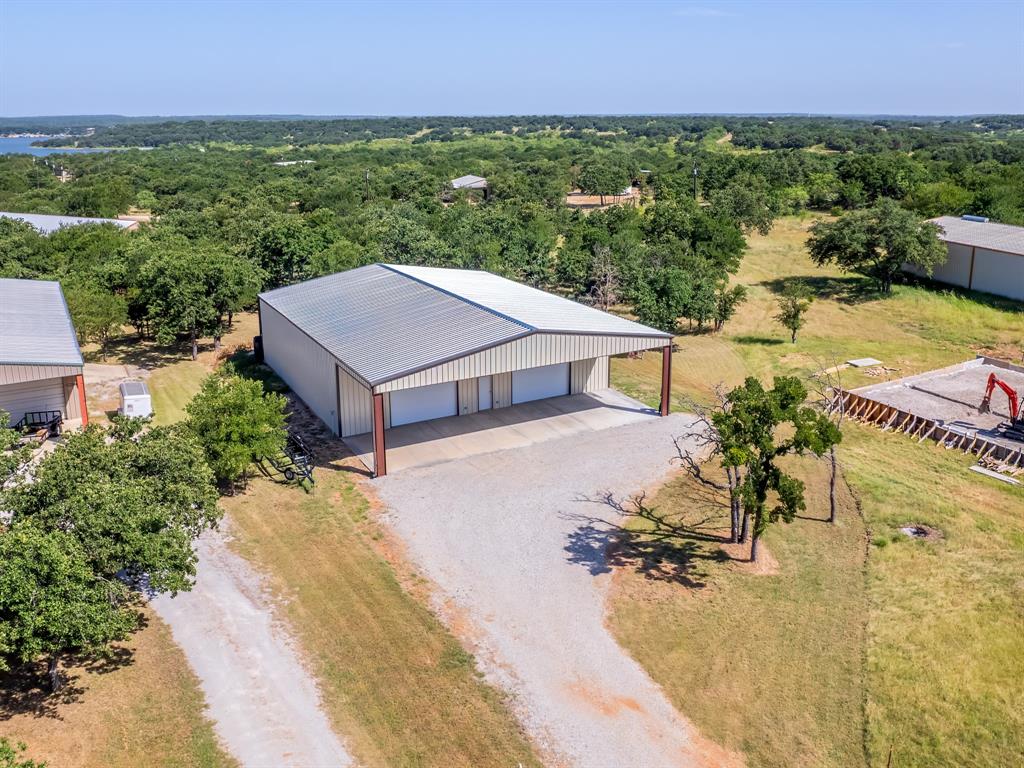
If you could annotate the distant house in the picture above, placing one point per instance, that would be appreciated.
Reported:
(40, 361)
(47, 223)
(470, 181)
(982, 256)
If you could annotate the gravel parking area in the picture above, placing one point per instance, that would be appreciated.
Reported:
(523, 580)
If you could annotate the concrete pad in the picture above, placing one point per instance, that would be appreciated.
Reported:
(950, 396)
(459, 437)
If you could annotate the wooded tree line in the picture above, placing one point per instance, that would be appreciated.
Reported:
(230, 222)
(764, 132)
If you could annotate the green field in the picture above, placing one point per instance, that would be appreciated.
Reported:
(863, 640)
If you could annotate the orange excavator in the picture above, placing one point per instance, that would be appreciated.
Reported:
(1014, 428)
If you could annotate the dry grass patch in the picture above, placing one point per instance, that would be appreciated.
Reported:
(764, 660)
(145, 709)
(397, 685)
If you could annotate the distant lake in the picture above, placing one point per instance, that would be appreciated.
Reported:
(23, 146)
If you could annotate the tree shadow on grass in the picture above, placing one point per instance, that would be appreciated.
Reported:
(848, 289)
(766, 341)
(659, 546)
(25, 689)
(131, 350)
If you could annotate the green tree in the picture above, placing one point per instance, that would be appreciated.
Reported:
(940, 198)
(877, 242)
(604, 177)
(177, 285)
(757, 427)
(134, 501)
(233, 282)
(52, 602)
(661, 300)
(747, 200)
(237, 423)
(98, 314)
(793, 305)
(727, 301)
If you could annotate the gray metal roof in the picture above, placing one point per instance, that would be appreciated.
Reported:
(982, 234)
(537, 309)
(35, 325)
(385, 321)
(469, 181)
(47, 223)
(132, 388)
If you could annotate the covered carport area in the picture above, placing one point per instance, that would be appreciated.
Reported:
(460, 437)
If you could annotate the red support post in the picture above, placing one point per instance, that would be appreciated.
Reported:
(666, 378)
(380, 464)
(80, 386)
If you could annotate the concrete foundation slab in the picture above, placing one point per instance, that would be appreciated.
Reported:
(457, 437)
(951, 396)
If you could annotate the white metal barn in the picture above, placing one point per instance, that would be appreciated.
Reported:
(40, 362)
(983, 256)
(384, 345)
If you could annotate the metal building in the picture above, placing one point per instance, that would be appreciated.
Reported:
(40, 362)
(47, 223)
(385, 345)
(983, 256)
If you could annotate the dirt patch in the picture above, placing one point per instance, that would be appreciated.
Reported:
(921, 531)
(766, 564)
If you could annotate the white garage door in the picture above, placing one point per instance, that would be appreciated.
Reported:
(422, 403)
(538, 383)
(43, 395)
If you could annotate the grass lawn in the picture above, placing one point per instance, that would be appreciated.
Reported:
(395, 683)
(147, 712)
(851, 647)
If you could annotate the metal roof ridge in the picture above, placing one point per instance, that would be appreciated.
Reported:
(395, 268)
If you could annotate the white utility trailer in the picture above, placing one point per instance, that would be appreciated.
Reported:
(135, 399)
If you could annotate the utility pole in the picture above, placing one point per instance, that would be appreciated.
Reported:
(695, 180)
(366, 185)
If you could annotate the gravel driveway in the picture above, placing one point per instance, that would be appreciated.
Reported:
(263, 703)
(501, 536)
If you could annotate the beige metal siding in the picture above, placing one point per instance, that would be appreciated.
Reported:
(46, 395)
(501, 390)
(528, 352)
(72, 405)
(11, 373)
(600, 375)
(956, 270)
(387, 410)
(999, 273)
(469, 396)
(306, 366)
(356, 405)
(589, 375)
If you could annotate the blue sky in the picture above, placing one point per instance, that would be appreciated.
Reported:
(210, 57)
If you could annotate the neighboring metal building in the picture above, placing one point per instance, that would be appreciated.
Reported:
(40, 362)
(47, 223)
(983, 256)
(384, 345)
(470, 181)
